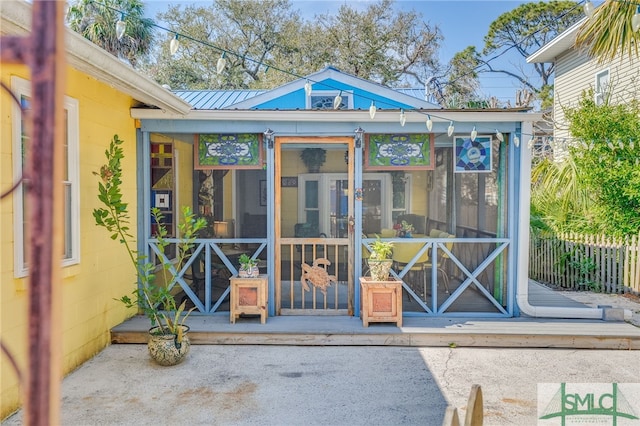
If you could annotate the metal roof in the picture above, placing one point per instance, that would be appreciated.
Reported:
(560, 44)
(225, 99)
(216, 99)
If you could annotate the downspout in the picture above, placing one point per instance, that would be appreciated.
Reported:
(522, 272)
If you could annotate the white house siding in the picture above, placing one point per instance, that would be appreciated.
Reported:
(576, 73)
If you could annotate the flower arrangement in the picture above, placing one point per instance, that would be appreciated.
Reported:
(404, 229)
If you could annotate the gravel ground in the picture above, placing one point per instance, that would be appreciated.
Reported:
(623, 301)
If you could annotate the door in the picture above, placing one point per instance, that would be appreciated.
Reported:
(313, 230)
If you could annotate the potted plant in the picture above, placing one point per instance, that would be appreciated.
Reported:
(381, 298)
(404, 229)
(313, 158)
(380, 259)
(168, 341)
(248, 267)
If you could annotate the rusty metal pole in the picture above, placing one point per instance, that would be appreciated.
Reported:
(44, 52)
(45, 218)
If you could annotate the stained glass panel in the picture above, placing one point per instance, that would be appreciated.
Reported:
(399, 151)
(228, 151)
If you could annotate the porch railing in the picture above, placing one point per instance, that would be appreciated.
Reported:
(203, 279)
(586, 262)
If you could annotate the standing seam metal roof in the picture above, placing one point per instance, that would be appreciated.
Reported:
(223, 99)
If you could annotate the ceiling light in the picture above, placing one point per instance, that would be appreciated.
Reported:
(429, 123)
(474, 134)
(499, 136)
(451, 129)
(516, 141)
(307, 88)
(372, 110)
(403, 118)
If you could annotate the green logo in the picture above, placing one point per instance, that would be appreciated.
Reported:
(609, 404)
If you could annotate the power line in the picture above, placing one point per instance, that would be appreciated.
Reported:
(297, 76)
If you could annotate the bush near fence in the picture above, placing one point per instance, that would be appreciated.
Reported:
(586, 262)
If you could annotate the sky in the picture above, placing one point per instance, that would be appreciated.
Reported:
(463, 23)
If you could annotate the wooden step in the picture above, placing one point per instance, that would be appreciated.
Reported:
(416, 331)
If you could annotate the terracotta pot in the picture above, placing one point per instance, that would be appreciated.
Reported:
(168, 349)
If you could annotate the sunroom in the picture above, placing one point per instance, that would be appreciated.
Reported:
(312, 172)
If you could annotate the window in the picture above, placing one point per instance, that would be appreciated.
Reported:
(71, 251)
(325, 99)
(322, 202)
(602, 88)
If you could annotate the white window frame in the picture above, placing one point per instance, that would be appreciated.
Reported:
(601, 94)
(20, 88)
(348, 94)
(324, 180)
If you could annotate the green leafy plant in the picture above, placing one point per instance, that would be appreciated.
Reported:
(155, 300)
(313, 158)
(381, 250)
(247, 262)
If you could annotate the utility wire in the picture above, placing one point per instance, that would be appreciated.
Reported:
(297, 76)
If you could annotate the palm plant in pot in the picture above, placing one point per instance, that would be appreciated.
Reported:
(380, 259)
(168, 340)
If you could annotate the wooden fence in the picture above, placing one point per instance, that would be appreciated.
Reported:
(586, 262)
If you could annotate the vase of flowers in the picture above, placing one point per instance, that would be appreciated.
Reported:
(404, 229)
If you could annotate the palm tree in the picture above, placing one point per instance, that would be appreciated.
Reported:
(608, 32)
(97, 23)
(558, 196)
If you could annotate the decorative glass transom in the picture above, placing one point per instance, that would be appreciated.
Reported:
(326, 102)
(228, 150)
(399, 150)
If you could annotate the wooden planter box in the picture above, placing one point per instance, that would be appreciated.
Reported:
(249, 296)
(381, 301)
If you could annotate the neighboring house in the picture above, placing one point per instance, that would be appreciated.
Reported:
(100, 91)
(614, 81)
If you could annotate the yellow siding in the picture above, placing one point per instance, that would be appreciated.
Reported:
(185, 176)
(88, 288)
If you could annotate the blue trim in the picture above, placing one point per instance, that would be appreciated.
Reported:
(514, 214)
(357, 250)
(271, 264)
(143, 176)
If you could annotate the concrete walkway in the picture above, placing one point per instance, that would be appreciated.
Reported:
(235, 384)
(284, 385)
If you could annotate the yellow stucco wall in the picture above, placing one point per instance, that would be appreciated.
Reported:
(88, 288)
